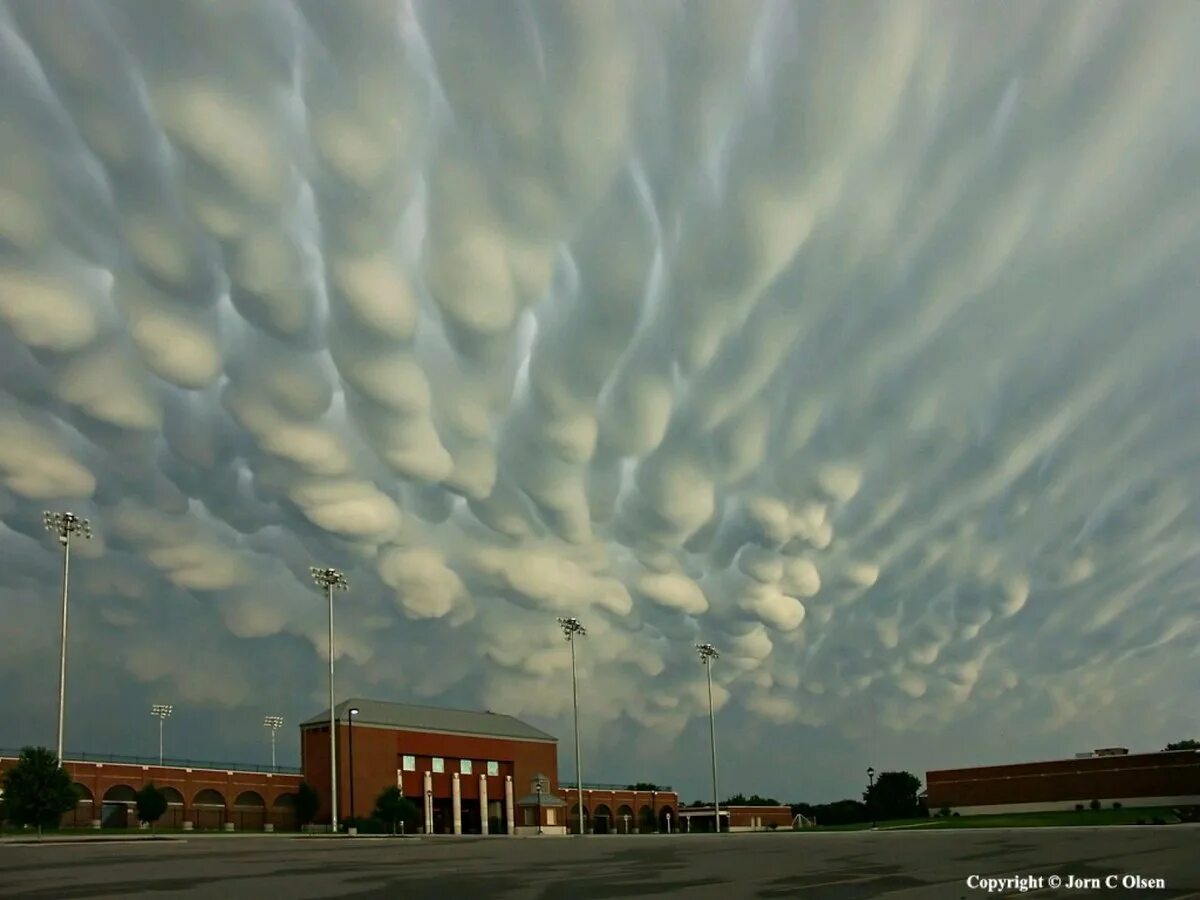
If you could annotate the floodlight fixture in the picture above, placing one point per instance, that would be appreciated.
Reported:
(64, 526)
(573, 628)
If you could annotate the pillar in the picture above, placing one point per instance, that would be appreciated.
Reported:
(456, 799)
(429, 803)
(509, 812)
(483, 803)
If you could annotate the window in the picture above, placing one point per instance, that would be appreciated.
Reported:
(493, 767)
(464, 766)
(409, 763)
(550, 817)
(439, 764)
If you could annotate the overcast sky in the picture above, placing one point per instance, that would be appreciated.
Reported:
(861, 340)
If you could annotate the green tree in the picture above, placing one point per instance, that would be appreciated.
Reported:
(392, 807)
(307, 802)
(151, 804)
(644, 786)
(1189, 744)
(893, 796)
(37, 790)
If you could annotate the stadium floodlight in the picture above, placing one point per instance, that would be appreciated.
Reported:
(573, 628)
(707, 654)
(331, 580)
(64, 525)
(274, 723)
(162, 712)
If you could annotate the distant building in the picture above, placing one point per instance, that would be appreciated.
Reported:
(736, 818)
(1110, 775)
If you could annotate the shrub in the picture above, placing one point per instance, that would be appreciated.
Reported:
(1095, 804)
(1158, 821)
(37, 790)
(771, 826)
(1078, 807)
(306, 803)
(151, 804)
(1116, 804)
(944, 812)
(955, 815)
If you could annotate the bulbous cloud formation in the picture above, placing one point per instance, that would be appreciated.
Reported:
(859, 340)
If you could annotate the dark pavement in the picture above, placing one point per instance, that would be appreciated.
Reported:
(815, 866)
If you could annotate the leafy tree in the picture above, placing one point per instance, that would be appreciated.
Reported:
(392, 807)
(306, 803)
(752, 800)
(893, 796)
(644, 786)
(37, 790)
(151, 804)
(1189, 744)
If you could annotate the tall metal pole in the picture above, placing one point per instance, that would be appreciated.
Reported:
(160, 740)
(332, 724)
(573, 628)
(330, 579)
(161, 711)
(63, 525)
(707, 654)
(273, 723)
(350, 714)
(578, 764)
(62, 663)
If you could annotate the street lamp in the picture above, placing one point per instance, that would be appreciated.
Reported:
(707, 654)
(871, 794)
(63, 525)
(274, 723)
(573, 628)
(538, 785)
(162, 712)
(350, 714)
(330, 580)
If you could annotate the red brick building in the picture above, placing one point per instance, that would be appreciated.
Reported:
(467, 772)
(198, 797)
(1110, 776)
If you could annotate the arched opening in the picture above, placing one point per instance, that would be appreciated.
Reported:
(208, 809)
(249, 811)
(625, 820)
(283, 812)
(173, 817)
(667, 820)
(602, 821)
(81, 816)
(573, 819)
(646, 820)
(117, 807)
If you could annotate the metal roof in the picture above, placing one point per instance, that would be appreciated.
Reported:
(412, 717)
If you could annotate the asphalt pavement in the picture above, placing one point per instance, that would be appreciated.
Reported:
(912, 865)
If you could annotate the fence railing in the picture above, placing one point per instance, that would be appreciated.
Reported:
(168, 762)
(601, 786)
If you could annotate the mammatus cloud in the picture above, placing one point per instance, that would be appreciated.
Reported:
(858, 341)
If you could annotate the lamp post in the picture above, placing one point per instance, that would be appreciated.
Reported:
(871, 794)
(350, 714)
(63, 525)
(538, 785)
(330, 580)
(161, 711)
(274, 723)
(573, 628)
(707, 654)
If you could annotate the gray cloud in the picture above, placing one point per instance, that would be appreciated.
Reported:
(859, 341)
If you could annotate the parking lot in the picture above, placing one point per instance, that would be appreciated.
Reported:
(818, 866)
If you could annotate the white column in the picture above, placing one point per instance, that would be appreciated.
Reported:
(456, 794)
(483, 802)
(509, 812)
(429, 801)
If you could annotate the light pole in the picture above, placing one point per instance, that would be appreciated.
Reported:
(871, 794)
(63, 525)
(350, 714)
(162, 712)
(331, 579)
(707, 654)
(539, 793)
(573, 628)
(274, 723)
